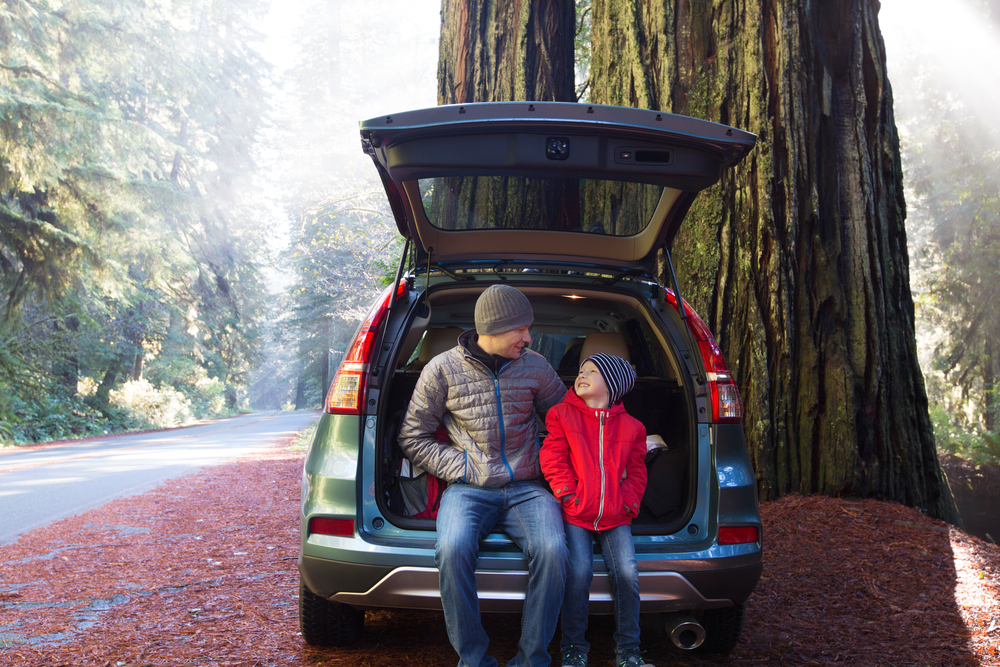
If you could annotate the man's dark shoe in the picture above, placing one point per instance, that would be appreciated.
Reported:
(630, 657)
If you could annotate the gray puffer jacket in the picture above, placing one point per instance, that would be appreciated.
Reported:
(490, 420)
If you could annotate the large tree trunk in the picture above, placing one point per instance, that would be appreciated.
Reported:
(798, 257)
(505, 51)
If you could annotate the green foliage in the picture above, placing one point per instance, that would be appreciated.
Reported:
(53, 415)
(302, 439)
(130, 239)
(971, 444)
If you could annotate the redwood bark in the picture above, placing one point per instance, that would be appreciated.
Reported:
(503, 51)
(798, 257)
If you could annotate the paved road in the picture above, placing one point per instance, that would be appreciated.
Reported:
(41, 485)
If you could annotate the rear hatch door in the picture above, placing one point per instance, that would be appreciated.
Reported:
(546, 181)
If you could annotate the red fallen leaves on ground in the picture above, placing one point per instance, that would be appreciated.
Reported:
(201, 571)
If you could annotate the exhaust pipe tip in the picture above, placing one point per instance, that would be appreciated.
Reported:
(686, 633)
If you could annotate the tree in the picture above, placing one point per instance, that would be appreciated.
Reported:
(798, 257)
(955, 177)
(344, 254)
(127, 133)
(501, 51)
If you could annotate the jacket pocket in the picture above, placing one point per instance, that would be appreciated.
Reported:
(614, 513)
(572, 507)
(477, 470)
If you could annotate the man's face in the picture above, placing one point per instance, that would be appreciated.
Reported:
(508, 344)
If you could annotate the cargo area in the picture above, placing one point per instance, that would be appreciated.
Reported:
(569, 325)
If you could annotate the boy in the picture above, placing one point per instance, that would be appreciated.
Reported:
(593, 459)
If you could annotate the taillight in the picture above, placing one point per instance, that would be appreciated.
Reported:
(323, 525)
(737, 534)
(723, 394)
(347, 391)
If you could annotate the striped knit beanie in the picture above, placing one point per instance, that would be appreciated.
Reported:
(617, 373)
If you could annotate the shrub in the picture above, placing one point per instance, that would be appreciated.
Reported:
(163, 407)
(969, 443)
(207, 397)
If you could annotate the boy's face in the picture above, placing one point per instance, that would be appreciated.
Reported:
(589, 385)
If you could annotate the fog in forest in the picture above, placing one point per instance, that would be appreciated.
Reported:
(942, 68)
(336, 63)
(950, 53)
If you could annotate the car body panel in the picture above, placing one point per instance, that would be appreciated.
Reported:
(503, 591)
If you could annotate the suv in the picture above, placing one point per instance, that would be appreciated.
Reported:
(570, 204)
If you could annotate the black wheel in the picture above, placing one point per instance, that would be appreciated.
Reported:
(723, 628)
(325, 623)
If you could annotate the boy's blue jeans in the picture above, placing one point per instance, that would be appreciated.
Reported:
(619, 556)
(530, 516)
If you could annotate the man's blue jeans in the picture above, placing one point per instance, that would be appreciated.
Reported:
(619, 556)
(530, 516)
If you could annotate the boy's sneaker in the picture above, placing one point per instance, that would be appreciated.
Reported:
(630, 657)
(574, 657)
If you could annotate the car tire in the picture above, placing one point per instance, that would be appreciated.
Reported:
(326, 623)
(723, 628)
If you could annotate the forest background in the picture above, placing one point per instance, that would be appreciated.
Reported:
(188, 227)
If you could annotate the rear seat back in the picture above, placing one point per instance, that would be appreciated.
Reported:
(608, 342)
(436, 341)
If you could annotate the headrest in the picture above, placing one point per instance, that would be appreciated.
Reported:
(436, 341)
(608, 342)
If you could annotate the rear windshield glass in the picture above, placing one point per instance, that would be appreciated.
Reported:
(616, 208)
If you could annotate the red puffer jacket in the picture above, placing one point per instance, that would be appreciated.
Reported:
(594, 460)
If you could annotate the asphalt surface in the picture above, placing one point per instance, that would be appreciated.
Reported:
(39, 485)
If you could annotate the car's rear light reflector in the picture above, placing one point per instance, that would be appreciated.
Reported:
(347, 391)
(725, 397)
(737, 534)
(323, 525)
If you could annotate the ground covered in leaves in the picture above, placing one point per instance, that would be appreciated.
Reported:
(201, 571)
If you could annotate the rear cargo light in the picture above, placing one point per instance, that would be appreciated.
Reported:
(324, 525)
(347, 391)
(725, 397)
(737, 534)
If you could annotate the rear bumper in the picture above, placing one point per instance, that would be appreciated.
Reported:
(705, 586)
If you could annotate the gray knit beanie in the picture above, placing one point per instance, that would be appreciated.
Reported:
(502, 308)
(617, 373)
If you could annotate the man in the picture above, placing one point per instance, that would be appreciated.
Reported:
(485, 392)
